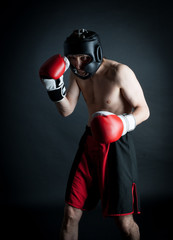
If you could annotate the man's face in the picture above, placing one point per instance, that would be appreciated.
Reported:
(79, 62)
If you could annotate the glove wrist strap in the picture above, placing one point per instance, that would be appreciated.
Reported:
(129, 123)
(58, 94)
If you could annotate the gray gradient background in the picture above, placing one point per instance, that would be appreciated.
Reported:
(38, 145)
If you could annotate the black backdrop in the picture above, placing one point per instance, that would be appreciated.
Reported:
(38, 145)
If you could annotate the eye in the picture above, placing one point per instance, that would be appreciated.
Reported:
(71, 58)
(86, 58)
(83, 58)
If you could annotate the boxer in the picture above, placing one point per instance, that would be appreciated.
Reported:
(105, 165)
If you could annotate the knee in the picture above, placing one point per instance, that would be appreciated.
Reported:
(71, 215)
(126, 224)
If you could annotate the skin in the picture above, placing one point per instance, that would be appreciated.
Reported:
(114, 88)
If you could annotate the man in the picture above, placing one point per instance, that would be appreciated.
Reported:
(105, 165)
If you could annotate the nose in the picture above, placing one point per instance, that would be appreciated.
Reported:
(78, 63)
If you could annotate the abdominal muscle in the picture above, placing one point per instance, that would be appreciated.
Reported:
(113, 102)
(106, 107)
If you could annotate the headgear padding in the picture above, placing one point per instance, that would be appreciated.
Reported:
(86, 42)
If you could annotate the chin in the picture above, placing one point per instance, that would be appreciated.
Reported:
(83, 74)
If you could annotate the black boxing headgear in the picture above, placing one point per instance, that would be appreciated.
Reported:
(84, 42)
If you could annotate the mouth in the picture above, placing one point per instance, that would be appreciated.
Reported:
(82, 73)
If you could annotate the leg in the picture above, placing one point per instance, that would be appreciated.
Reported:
(69, 229)
(128, 227)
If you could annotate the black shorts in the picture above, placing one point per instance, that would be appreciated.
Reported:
(107, 172)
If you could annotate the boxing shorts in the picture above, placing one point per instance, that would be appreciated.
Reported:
(107, 172)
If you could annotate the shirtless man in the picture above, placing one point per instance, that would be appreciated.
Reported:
(100, 170)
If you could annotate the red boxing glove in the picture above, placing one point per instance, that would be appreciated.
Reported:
(51, 75)
(54, 67)
(106, 127)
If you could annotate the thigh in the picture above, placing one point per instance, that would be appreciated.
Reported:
(121, 184)
(82, 188)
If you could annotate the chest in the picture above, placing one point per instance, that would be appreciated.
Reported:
(100, 90)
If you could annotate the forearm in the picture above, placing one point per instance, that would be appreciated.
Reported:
(141, 114)
(64, 107)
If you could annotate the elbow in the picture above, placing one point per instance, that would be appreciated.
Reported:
(64, 110)
(147, 113)
(141, 113)
(65, 113)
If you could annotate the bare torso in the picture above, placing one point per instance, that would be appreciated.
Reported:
(102, 91)
(113, 88)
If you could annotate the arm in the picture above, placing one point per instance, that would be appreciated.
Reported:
(132, 92)
(68, 104)
(108, 127)
(51, 75)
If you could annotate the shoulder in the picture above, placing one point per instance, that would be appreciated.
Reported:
(110, 68)
(123, 69)
(124, 74)
(117, 68)
(73, 77)
(73, 83)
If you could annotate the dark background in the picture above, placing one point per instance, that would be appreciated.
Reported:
(38, 145)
